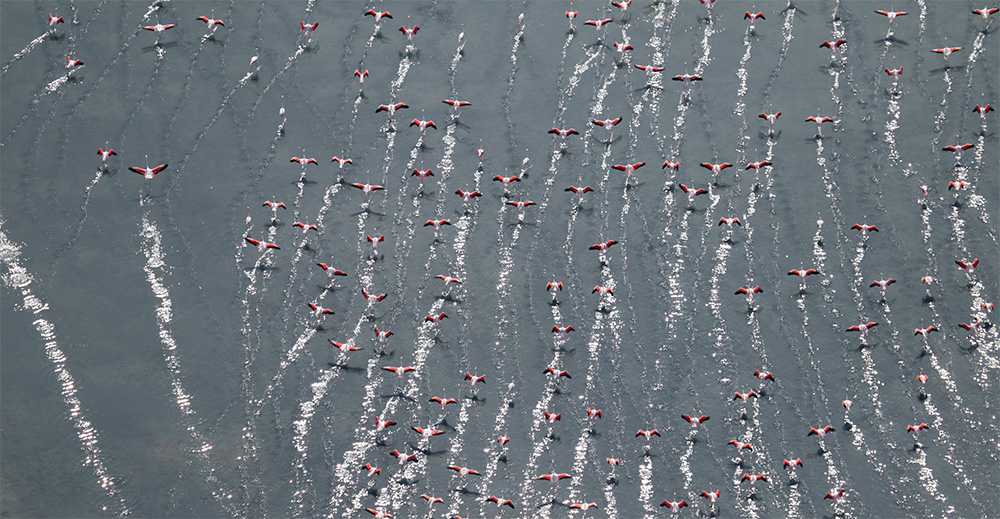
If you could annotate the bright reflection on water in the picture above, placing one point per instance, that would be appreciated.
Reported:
(157, 364)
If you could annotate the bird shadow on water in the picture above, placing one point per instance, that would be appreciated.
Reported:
(893, 40)
(869, 345)
(369, 211)
(212, 39)
(448, 298)
(304, 181)
(563, 153)
(428, 452)
(346, 368)
(411, 54)
(156, 47)
(465, 491)
(459, 124)
(398, 394)
(773, 135)
(608, 142)
(648, 86)
(970, 349)
(946, 68)
(149, 199)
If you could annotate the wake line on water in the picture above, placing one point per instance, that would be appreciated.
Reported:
(125, 46)
(24, 52)
(121, 140)
(607, 301)
(392, 496)
(607, 314)
(18, 279)
(346, 470)
(465, 226)
(868, 369)
(155, 264)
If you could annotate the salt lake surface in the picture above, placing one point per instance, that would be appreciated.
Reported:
(156, 364)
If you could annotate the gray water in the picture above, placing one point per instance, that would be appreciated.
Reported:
(155, 364)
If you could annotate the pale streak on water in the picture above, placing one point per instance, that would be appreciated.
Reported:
(187, 380)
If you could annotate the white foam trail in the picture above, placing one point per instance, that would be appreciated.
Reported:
(869, 374)
(288, 64)
(607, 309)
(153, 250)
(19, 280)
(953, 395)
(659, 56)
(872, 381)
(529, 483)
(346, 472)
(510, 82)
(56, 83)
(393, 495)
(646, 486)
(83, 208)
(424, 341)
(892, 123)
(27, 48)
(528, 490)
(786, 40)
(128, 42)
(833, 477)
(465, 226)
